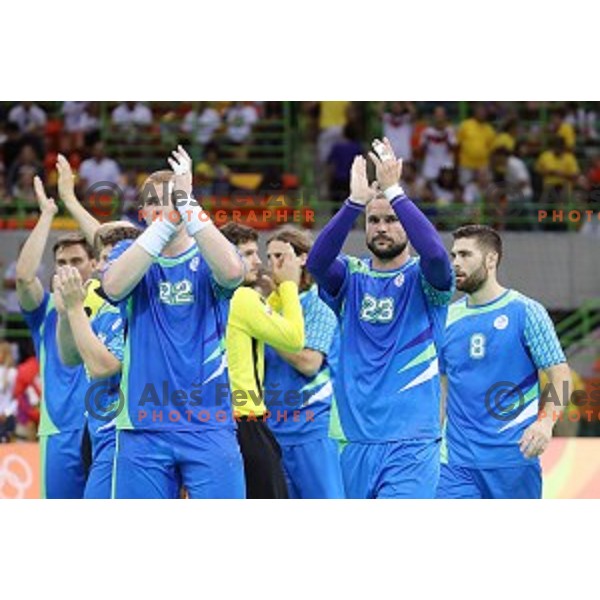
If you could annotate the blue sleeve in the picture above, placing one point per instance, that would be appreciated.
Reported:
(118, 249)
(320, 327)
(323, 262)
(335, 301)
(35, 318)
(424, 238)
(435, 296)
(540, 336)
(110, 329)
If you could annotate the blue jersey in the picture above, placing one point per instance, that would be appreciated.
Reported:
(175, 368)
(491, 357)
(103, 401)
(64, 388)
(387, 384)
(309, 396)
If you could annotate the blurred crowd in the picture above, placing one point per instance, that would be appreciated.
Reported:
(31, 138)
(500, 162)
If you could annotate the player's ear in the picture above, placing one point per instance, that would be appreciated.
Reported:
(303, 257)
(492, 260)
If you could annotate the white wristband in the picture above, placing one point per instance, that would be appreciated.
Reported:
(193, 215)
(393, 192)
(156, 237)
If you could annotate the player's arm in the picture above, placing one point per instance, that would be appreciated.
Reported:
(66, 192)
(323, 263)
(307, 361)
(67, 348)
(29, 288)
(224, 262)
(423, 236)
(282, 331)
(99, 361)
(547, 354)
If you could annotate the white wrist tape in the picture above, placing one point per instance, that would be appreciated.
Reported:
(393, 192)
(193, 215)
(156, 237)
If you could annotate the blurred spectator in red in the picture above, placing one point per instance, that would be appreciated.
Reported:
(8, 404)
(24, 169)
(340, 163)
(398, 122)
(475, 137)
(241, 118)
(28, 392)
(201, 124)
(212, 175)
(438, 144)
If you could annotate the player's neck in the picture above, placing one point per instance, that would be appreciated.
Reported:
(179, 244)
(390, 265)
(490, 291)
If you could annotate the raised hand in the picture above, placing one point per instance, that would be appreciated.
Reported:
(287, 267)
(70, 287)
(66, 180)
(57, 295)
(47, 205)
(389, 169)
(181, 163)
(360, 190)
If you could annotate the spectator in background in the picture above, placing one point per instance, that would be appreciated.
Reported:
(559, 171)
(437, 145)
(131, 114)
(398, 124)
(340, 164)
(241, 118)
(446, 188)
(27, 393)
(21, 169)
(212, 175)
(560, 127)
(11, 147)
(131, 203)
(591, 227)
(98, 168)
(201, 124)
(29, 118)
(475, 137)
(512, 176)
(583, 120)
(23, 188)
(333, 117)
(507, 138)
(411, 182)
(79, 121)
(8, 404)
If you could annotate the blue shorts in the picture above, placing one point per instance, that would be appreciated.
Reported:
(524, 482)
(99, 483)
(62, 468)
(312, 469)
(156, 464)
(391, 470)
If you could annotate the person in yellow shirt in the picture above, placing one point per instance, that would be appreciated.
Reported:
(476, 139)
(252, 323)
(560, 127)
(558, 168)
(508, 137)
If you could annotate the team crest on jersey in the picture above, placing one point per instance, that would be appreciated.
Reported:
(399, 281)
(194, 263)
(501, 322)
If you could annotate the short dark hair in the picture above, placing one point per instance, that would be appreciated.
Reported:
(239, 234)
(486, 237)
(114, 235)
(73, 239)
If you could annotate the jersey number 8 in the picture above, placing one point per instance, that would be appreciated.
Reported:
(477, 349)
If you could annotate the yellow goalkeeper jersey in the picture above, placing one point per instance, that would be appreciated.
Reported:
(252, 323)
